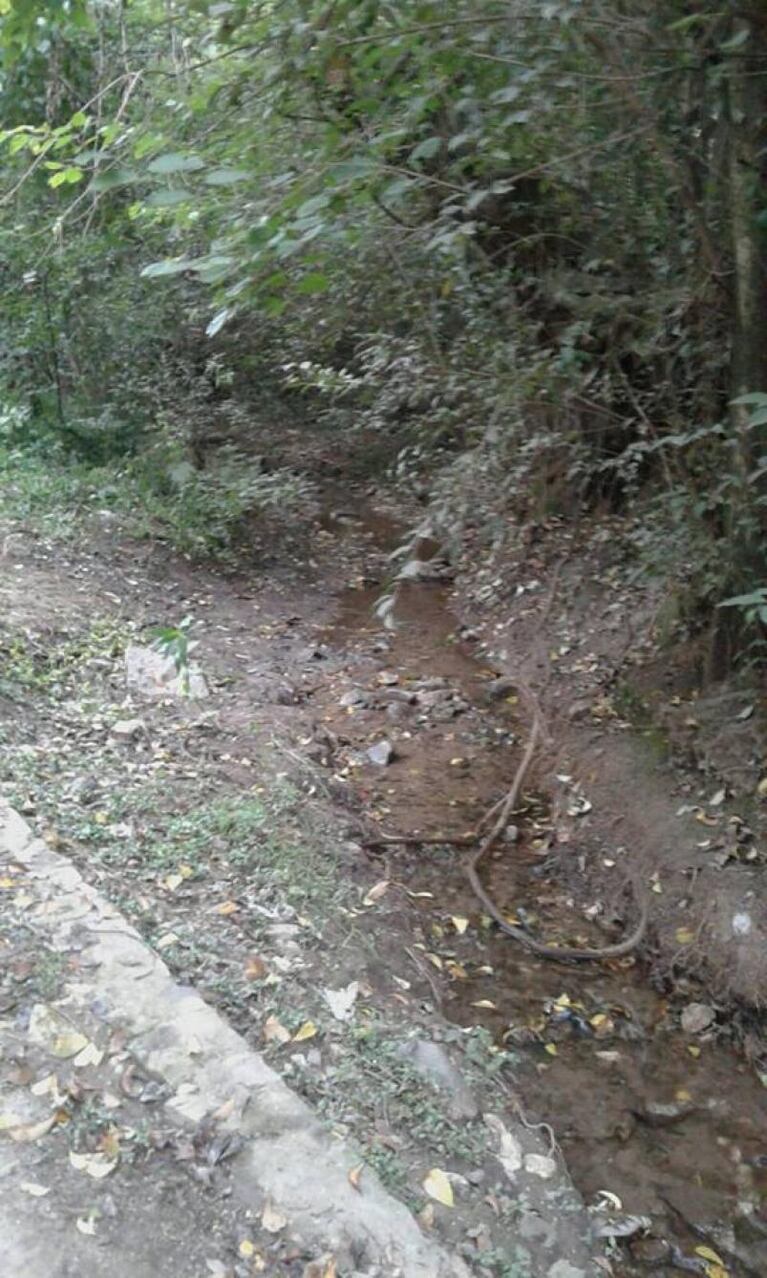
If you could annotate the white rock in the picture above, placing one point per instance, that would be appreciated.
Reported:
(151, 673)
(127, 728)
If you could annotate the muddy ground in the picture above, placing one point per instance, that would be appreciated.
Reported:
(233, 831)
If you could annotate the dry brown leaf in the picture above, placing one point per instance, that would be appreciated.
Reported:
(34, 1190)
(426, 1216)
(255, 968)
(376, 892)
(170, 938)
(224, 1111)
(274, 1031)
(98, 1166)
(90, 1055)
(272, 1220)
(227, 907)
(25, 1133)
(354, 1177)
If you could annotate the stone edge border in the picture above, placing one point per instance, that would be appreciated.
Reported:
(288, 1157)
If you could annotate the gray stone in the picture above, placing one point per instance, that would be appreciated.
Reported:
(127, 729)
(355, 698)
(381, 754)
(433, 1063)
(385, 696)
(499, 688)
(697, 1017)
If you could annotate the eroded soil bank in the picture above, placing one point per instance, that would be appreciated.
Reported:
(638, 1068)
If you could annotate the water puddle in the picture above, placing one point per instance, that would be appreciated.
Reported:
(674, 1124)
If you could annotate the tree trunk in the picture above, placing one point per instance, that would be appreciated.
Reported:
(747, 179)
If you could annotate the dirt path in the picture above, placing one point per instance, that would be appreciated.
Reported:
(210, 825)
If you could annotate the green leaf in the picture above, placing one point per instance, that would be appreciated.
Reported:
(273, 305)
(113, 178)
(171, 266)
(759, 398)
(166, 199)
(754, 599)
(175, 162)
(225, 177)
(218, 321)
(315, 282)
(58, 179)
(426, 149)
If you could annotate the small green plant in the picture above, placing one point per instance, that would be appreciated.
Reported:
(174, 642)
(753, 605)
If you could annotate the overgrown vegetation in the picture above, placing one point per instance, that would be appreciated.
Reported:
(520, 251)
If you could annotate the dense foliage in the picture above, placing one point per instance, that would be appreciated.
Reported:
(521, 247)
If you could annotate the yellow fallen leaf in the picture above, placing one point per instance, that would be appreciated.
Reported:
(272, 1220)
(456, 970)
(694, 1050)
(598, 1020)
(172, 881)
(5, 882)
(435, 960)
(354, 1175)
(484, 1002)
(761, 789)
(682, 1094)
(186, 871)
(706, 1253)
(684, 935)
(227, 907)
(438, 1187)
(460, 924)
(274, 1031)
(246, 1249)
(70, 1043)
(551, 1048)
(307, 1030)
(376, 892)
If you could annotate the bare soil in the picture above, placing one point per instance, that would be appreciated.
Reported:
(305, 680)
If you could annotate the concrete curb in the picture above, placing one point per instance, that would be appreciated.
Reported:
(289, 1158)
